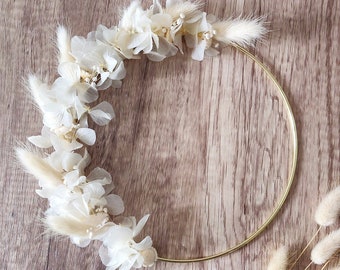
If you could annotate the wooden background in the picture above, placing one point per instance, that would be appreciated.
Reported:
(204, 147)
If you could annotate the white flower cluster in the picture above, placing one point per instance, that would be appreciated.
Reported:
(81, 206)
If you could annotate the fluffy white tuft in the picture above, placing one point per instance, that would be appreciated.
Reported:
(175, 8)
(88, 226)
(329, 209)
(326, 248)
(38, 167)
(64, 45)
(279, 260)
(243, 32)
(39, 90)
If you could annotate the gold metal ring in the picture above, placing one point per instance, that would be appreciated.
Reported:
(283, 198)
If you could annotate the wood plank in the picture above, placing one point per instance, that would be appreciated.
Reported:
(201, 146)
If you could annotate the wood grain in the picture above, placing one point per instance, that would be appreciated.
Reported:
(201, 146)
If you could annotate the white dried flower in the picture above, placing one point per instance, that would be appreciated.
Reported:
(328, 210)
(119, 250)
(60, 131)
(117, 39)
(279, 260)
(58, 106)
(137, 23)
(161, 24)
(70, 85)
(201, 39)
(186, 21)
(80, 211)
(100, 65)
(67, 141)
(326, 248)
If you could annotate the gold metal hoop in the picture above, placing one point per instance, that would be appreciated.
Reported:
(283, 198)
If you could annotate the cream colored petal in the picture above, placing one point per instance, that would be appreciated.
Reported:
(86, 135)
(115, 204)
(102, 114)
(140, 225)
(40, 141)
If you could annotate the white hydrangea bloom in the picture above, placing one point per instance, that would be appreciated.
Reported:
(201, 38)
(80, 207)
(70, 214)
(119, 250)
(137, 23)
(101, 66)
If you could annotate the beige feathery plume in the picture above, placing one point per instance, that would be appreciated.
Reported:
(326, 248)
(243, 32)
(335, 268)
(64, 45)
(48, 176)
(329, 209)
(178, 9)
(39, 90)
(279, 260)
(88, 226)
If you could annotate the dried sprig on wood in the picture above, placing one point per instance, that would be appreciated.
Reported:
(327, 214)
(326, 248)
(279, 260)
(328, 210)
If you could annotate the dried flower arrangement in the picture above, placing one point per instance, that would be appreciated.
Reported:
(81, 206)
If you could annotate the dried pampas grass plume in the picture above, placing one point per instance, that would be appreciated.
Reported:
(279, 260)
(329, 209)
(48, 176)
(326, 248)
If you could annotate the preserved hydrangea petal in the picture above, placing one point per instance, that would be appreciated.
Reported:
(138, 228)
(70, 160)
(100, 174)
(115, 204)
(119, 73)
(86, 135)
(102, 114)
(40, 141)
